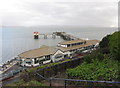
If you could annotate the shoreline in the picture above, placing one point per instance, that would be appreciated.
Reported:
(7, 65)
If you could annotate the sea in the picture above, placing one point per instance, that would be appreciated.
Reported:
(15, 40)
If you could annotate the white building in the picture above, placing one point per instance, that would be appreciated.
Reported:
(47, 54)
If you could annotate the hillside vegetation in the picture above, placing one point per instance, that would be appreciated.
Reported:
(22, 83)
(102, 64)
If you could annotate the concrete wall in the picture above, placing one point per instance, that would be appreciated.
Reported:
(48, 61)
(29, 65)
(63, 45)
(23, 63)
(33, 64)
(67, 52)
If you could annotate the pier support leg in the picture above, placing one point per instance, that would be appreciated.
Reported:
(45, 36)
(53, 36)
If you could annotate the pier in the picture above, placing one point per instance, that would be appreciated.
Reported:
(36, 35)
(63, 35)
(66, 36)
(46, 35)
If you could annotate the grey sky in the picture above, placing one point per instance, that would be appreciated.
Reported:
(57, 12)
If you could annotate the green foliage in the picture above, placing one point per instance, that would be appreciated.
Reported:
(104, 44)
(23, 83)
(102, 64)
(95, 56)
(111, 44)
(98, 70)
(105, 41)
(114, 45)
(100, 56)
(88, 59)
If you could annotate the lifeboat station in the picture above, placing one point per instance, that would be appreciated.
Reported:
(47, 54)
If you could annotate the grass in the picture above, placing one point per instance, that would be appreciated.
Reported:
(23, 83)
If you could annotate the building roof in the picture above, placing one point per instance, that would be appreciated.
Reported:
(88, 43)
(48, 50)
(92, 41)
(71, 41)
(42, 51)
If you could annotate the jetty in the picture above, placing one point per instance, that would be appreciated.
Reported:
(45, 35)
(63, 35)
(66, 36)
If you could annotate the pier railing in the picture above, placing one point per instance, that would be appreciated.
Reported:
(45, 35)
(63, 35)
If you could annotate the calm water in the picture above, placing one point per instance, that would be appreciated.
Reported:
(14, 41)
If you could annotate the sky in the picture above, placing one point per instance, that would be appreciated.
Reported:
(96, 13)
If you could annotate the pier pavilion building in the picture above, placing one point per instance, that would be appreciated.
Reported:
(47, 54)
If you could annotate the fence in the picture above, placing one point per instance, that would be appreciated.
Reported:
(58, 68)
(78, 83)
(48, 74)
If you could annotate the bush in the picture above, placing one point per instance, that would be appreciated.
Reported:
(105, 41)
(98, 70)
(96, 56)
(100, 56)
(114, 45)
(23, 83)
(88, 59)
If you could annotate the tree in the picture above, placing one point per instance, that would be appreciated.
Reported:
(104, 44)
(105, 41)
(100, 56)
(88, 59)
(114, 45)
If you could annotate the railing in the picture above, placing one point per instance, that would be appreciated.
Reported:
(78, 83)
(36, 35)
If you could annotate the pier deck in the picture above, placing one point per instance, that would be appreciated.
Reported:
(63, 35)
(66, 36)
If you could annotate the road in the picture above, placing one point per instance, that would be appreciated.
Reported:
(17, 76)
(13, 79)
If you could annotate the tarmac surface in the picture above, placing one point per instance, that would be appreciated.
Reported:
(14, 78)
